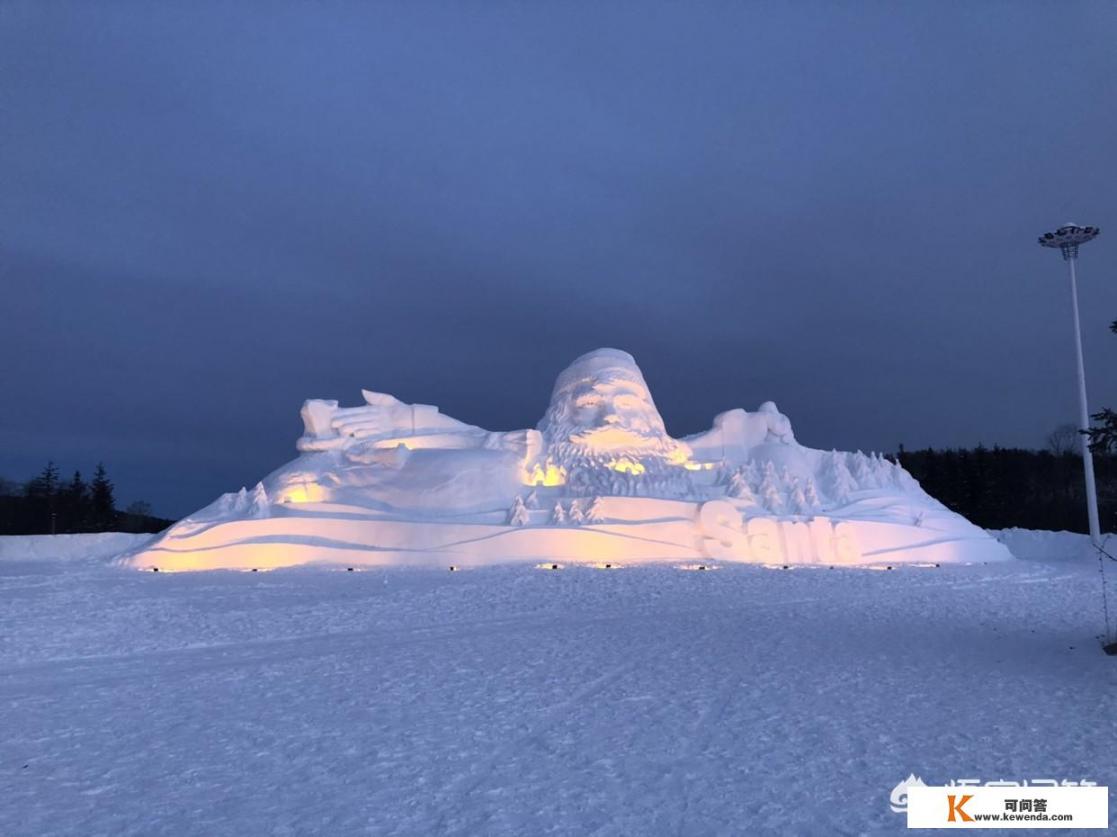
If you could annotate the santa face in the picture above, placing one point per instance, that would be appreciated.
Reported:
(601, 404)
(614, 413)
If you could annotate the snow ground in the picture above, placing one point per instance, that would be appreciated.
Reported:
(510, 700)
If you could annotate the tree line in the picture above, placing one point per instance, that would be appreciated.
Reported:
(47, 504)
(998, 488)
(1031, 489)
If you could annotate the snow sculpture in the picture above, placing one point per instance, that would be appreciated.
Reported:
(739, 488)
(389, 482)
(383, 418)
(841, 483)
(518, 514)
(810, 495)
(735, 433)
(602, 421)
(576, 515)
(595, 512)
(771, 497)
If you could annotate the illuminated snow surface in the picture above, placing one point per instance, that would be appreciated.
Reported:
(598, 480)
(510, 700)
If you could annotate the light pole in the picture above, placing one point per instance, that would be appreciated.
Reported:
(1067, 238)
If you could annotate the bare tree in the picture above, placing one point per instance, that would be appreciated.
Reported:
(1064, 439)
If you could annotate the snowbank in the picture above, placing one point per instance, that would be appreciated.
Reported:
(1039, 545)
(99, 546)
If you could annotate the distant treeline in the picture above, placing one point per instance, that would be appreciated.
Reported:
(997, 488)
(49, 505)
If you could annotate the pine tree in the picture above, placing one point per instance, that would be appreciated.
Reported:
(75, 504)
(810, 495)
(558, 516)
(102, 504)
(259, 505)
(532, 501)
(752, 473)
(861, 471)
(594, 512)
(42, 501)
(577, 516)
(76, 489)
(841, 482)
(739, 487)
(787, 481)
(45, 485)
(1103, 438)
(770, 495)
(797, 498)
(518, 514)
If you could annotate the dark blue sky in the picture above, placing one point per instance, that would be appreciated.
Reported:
(211, 211)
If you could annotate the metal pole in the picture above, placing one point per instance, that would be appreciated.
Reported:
(1084, 412)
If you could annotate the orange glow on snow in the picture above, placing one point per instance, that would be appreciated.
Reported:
(549, 475)
(302, 493)
(627, 466)
(682, 457)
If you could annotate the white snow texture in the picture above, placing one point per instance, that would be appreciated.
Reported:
(599, 480)
(514, 701)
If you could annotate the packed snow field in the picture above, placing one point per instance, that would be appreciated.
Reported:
(510, 700)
